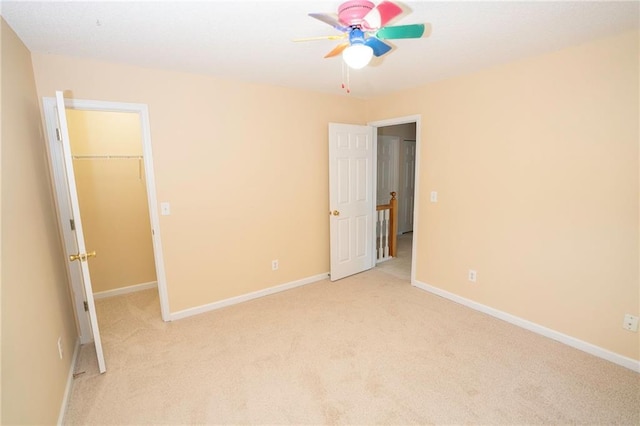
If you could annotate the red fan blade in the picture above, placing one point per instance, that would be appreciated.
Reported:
(381, 14)
(337, 50)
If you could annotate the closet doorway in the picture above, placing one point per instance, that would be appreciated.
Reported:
(112, 162)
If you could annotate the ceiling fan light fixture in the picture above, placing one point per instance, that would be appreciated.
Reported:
(357, 56)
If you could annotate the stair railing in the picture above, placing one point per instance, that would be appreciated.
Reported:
(387, 229)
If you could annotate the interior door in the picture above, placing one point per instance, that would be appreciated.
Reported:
(386, 173)
(351, 199)
(408, 187)
(82, 257)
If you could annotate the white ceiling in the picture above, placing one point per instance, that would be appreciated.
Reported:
(251, 40)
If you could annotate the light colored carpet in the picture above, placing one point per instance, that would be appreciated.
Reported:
(400, 266)
(369, 349)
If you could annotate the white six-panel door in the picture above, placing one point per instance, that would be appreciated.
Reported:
(407, 186)
(351, 199)
(387, 170)
(82, 260)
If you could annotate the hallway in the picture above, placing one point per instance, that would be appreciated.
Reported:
(400, 266)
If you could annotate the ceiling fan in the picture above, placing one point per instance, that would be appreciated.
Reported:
(363, 25)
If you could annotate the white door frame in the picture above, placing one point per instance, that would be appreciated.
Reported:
(49, 104)
(392, 122)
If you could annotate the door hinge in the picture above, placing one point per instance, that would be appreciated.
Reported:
(86, 306)
(73, 224)
(58, 136)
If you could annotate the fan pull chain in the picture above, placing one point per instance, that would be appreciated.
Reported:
(346, 87)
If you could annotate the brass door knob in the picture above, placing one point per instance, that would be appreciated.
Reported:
(336, 213)
(82, 256)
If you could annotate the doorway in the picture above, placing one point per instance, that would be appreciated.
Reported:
(397, 158)
(115, 180)
(111, 185)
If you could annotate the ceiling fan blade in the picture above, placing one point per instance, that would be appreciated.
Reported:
(329, 37)
(331, 19)
(381, 14)
(379, 47)
(401, 31)
(337, 50)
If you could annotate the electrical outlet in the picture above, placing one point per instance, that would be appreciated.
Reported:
(275, 265)
(165, 208)
(60, 347)
(434, 196)
(473, 275)
(630, 323)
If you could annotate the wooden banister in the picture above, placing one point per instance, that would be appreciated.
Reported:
(393, 218)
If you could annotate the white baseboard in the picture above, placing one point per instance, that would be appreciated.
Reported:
(589, 348)
(125, 290)
(246, 297)
(67, 389)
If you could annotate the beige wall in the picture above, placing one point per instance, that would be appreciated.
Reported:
(36, 307)
(113, 197)
(535, 162)
(536, 165)
(244, 167)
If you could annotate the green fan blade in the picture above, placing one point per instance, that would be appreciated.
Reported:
(401, 31)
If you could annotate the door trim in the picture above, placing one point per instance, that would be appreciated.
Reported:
(143, 112)
(392, 122)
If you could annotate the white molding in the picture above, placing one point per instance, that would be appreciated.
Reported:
(67, 389)
(158, 255)
(246, 297)
(397, 120)
(589, 348)
(125, 290)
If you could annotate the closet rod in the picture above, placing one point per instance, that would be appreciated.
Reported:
(107, 157)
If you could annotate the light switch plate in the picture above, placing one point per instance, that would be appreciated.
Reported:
(165, 209)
